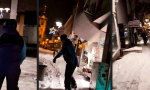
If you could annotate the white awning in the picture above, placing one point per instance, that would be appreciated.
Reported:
(86, 30)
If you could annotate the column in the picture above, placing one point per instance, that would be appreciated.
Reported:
(13, 13)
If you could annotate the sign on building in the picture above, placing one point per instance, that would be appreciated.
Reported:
(135, 23)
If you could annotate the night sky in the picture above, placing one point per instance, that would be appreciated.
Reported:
(58, 10)
(23, 5)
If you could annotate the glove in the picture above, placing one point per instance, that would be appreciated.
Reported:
(54, 60)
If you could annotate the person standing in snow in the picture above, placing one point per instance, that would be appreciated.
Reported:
(69, 55)
(144, 36)
(11, 45)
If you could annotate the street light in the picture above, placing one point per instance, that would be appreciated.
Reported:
(7, 9)
(1, 11)
(146, 20)
(59, 24)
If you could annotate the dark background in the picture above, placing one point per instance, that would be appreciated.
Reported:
(26, 7)
(57, 10)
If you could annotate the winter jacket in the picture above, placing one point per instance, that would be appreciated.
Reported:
(68, 53)
(10, 52)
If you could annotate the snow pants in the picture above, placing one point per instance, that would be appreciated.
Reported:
(69, 79)
(12, 78)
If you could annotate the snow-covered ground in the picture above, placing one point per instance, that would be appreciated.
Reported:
(27, 80)
(54, 74)
(132, 71)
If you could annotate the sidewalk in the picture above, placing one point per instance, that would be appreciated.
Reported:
(132, 71)
(27, 80)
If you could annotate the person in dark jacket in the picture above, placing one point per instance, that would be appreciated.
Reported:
(144, 36)
(11, 44)
(69, 55)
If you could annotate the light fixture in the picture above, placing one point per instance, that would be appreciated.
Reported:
(58, 38)
(59, 24)
(7, 9)
(1, 9)
(148, 23)
(146, 20)
(140, 24)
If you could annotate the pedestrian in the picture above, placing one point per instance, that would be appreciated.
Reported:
(69, 55)
(11, 46)
(144, 36)
(135, 37)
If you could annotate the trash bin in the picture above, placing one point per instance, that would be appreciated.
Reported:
(42, 69)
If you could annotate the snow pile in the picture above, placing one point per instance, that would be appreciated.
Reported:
(54, 74)
(52, 78)
(132, 71)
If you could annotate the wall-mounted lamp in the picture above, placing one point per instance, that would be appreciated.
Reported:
(2, 9)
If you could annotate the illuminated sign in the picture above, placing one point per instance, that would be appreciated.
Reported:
(52, 30)
(135, 23)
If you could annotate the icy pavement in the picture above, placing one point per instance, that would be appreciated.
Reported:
(27, 80)
(132, 71)
(54, 75)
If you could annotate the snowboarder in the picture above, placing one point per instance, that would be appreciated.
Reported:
(69, 55)
(11, 45)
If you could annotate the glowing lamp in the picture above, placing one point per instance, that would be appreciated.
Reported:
(59, 24)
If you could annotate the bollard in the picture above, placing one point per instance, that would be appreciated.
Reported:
(42, 69)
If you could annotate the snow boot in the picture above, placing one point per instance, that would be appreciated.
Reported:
(73, 86)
